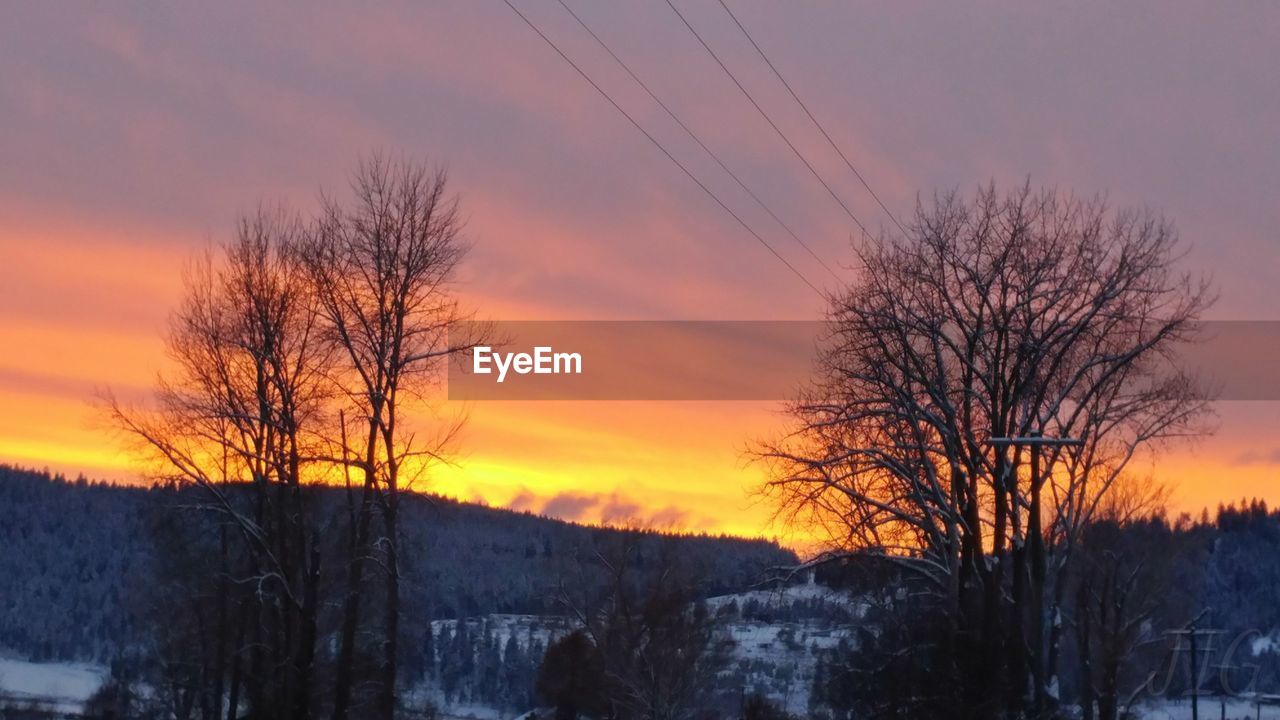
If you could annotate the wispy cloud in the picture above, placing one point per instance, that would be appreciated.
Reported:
(1258, 457)
(612, 508)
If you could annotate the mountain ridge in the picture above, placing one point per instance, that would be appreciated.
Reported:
(76, 551)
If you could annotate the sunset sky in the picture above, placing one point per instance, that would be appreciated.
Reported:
(132, 136)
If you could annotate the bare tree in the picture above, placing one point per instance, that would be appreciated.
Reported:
(656, 646)
(297, 350)
(235, 421)
(1028, 313)
(382, 267)
(1121, 589)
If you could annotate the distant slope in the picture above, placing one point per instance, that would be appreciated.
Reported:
(70, 552)
(55, 687)
(774, 642)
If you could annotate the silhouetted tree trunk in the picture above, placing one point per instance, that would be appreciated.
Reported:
(234, 422)
(383, 266)
(1124, 569)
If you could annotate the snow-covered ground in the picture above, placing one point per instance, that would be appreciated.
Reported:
(1210, 709)
(62, 687)
(525, 628)
(779, 597)
(776, 639)
(471, 712)
(779, 659)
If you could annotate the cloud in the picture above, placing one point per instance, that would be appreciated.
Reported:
(614, 509)
(524, 501)
(570, 506)
(201, 111)
(1258, 457)
(617, 510)
(670, 518)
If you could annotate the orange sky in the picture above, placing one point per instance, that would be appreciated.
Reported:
(132, 138)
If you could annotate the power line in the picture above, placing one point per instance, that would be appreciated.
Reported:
(688, 131)
(768, 119)
(804, 107)
(659, 145)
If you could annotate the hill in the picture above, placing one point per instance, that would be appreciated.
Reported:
(74, 552)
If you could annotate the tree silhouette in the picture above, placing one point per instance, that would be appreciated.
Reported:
(1006, 315)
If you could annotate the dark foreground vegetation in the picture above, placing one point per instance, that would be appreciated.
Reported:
(88, 584)
(1143, 581)
(119, 576)
(978, 400)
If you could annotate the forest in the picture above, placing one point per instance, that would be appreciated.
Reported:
(78, 552)
(80, 557)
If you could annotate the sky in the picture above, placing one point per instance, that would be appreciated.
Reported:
(132, 136)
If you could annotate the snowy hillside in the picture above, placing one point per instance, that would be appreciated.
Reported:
(80, 557)
(774, 639)
(779, 637)
(55, 687)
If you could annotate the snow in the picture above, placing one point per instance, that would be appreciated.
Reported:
(524, 628)
(777, 659)
(1210, 707)
(63, 686)
(1263, 644)
(779, 597)
(471, 711)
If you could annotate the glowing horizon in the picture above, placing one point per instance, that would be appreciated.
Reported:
(134, 139)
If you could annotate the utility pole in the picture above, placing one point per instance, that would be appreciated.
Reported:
(1223, 668)
(1195, 676)
(1035, 546)
(1192, 631)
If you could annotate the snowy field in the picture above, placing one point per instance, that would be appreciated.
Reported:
(62, 687)
(65, 687)
(1210, 709)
